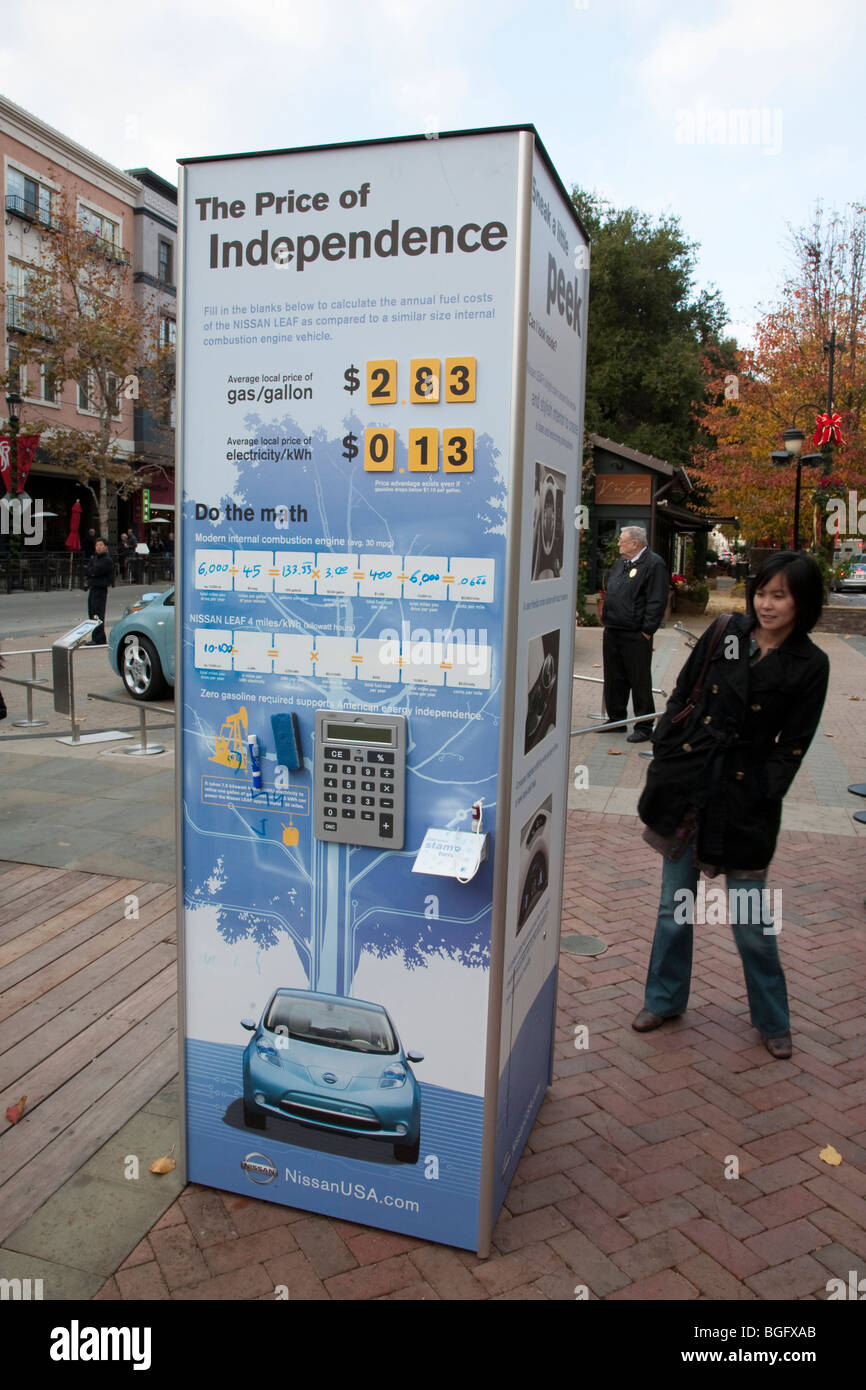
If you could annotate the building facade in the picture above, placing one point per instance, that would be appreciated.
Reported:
(134, 226)
(155, 257)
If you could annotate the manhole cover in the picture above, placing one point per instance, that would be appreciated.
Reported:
(584, 945)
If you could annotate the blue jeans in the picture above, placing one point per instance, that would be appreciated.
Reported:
(670, 967)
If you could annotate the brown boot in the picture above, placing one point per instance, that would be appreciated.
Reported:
(646, 1021)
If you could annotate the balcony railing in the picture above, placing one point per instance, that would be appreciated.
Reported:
(111, 250)
(29, 210)
(20, 318)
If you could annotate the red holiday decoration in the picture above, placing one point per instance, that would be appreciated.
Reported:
(829, 427)
(27, 446)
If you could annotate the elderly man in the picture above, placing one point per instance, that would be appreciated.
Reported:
(634, 605)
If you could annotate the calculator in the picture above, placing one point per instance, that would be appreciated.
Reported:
(359, 779)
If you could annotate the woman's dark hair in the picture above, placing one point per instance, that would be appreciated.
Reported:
(804, 580)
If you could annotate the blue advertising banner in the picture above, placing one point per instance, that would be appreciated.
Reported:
(348, 364)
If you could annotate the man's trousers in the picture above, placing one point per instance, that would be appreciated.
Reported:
(628, 670)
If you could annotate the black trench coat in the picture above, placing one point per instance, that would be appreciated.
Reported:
(738, 754)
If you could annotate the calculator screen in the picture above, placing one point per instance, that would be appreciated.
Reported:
(359, 733)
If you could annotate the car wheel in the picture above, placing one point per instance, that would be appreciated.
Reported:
(253, 1117)
(408, 1153)
(141, 668)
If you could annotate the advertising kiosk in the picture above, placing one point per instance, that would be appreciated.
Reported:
(381, 356)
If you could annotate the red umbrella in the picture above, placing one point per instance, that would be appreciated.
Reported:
(73, 540)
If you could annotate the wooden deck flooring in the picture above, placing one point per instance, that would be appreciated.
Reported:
(88, 1019)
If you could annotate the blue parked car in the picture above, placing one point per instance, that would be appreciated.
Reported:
(141, 646)
(332, 1063)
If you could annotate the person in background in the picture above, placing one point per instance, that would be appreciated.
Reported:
(88, 543)
(129, 557)
(634, 606)
(714, 789)
(100, 578)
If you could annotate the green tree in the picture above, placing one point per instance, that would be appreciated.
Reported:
(652, 340)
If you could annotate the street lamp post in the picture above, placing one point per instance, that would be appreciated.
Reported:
(793, 441)
(13, 406)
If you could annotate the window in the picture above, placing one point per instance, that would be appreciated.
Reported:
(50, 387)
(17, 372)
(19, 275)
(165, 259)
(90, 397)
(27, 196)
(167, 332)
(101, 226)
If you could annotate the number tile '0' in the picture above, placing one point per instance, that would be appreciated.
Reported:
(379, 448)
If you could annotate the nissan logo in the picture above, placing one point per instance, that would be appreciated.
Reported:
(259, 1169)
(329, 1077)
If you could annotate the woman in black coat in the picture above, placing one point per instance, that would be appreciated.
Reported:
(713, 797)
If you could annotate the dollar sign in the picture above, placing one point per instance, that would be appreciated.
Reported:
(350, 445)
(353, 381)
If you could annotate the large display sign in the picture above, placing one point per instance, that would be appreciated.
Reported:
(382, 352)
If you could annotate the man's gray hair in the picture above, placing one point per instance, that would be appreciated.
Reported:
(637, 533)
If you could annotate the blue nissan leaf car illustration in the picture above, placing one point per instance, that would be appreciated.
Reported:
(332, 1063)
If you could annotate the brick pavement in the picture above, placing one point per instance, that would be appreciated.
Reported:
(626, 1186)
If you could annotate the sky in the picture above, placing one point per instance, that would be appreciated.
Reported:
(734, 115)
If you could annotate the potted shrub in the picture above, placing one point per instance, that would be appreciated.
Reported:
(691, 596)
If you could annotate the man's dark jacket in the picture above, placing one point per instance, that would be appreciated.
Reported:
(740, 752)
(637, 604)
(100, 571)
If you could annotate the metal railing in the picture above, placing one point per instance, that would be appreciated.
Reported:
(618, 724)
(33, 571)
(691, 639)
(142, 749)
(29, 209)
(32, 682)
(20, 316)
(111, 250)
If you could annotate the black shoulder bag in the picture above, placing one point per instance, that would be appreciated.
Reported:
(720, 626)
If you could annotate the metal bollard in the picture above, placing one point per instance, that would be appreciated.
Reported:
(143, 749)
(29, 722)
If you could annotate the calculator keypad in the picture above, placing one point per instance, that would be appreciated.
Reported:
(359, 788)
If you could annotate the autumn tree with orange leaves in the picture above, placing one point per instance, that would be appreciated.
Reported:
(786, 373)
(80, 324)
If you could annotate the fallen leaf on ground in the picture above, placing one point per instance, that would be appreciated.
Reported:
(829, 735)
(830, 1155)
(596, 665)
(14, 1112)
(165, 1164)
(853, 697)
(616, 752)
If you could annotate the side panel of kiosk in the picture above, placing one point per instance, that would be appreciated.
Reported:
(537, 761)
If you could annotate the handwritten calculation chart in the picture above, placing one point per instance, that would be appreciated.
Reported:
(454, 579)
